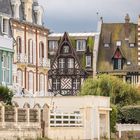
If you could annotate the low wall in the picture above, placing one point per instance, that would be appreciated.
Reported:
(19, 123)
(127, 127)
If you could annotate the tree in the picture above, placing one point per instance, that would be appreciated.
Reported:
(120, 93)
(6, 95)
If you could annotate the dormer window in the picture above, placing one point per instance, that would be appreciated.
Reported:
(131, 45)
(5, 25)
(118, 43)
(118, 60)
(106, 45)
(66, 49)
(53, 45)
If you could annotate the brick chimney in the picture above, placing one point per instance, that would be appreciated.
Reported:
(127, 26)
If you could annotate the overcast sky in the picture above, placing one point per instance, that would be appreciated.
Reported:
(81, 15)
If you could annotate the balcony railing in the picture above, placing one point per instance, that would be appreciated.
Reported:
(22, 58)
(44, 62)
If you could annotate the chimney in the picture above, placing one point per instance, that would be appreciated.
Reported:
(138, 40)
(27, 4)
(127, 26)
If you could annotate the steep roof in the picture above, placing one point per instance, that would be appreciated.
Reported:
(110, 33)
(5, 7)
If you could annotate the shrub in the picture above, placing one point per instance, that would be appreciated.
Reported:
(129, 114)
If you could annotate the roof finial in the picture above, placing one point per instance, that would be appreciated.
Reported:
(127, 18)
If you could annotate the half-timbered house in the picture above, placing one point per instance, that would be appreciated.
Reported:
(71, 62)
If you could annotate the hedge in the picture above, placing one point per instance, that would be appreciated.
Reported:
(129, 114)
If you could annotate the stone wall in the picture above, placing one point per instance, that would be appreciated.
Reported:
(19, 122)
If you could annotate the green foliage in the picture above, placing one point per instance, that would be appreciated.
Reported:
(6, 94)
(120, 93)
(73, 42)
(90, 43)
(129, 114)
(113, 118)
(83, 61)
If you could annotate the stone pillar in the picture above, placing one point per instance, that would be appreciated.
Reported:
(16, 115)
(90, 123)
(3, 115)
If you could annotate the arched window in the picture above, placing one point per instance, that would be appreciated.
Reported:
(30, 81)
(30, 51)
(42, 86)
(19, 46)
(20, 77)
(41, 50)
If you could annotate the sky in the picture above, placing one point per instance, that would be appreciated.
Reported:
(81, 15)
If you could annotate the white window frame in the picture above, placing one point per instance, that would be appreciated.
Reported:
(30, 81)
(53, 45)
(66, 49)
(119, 64)
(61, 63)
(5, 29)
(76, 82)
(56, 83)
(131, 45)
(88, 61)
(118, 43)
(106, 45)
(80, 45)
(70, 63)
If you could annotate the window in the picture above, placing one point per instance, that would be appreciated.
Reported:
(41, 50)
(118, 43)
(61, 63)
(19, 48)
(42, 86)
(81, 45)
(76, 84)
(106, 45)
(5, 25)
(30, 51)
(66, 49)
(118, 64)
(30, 81)
(53, 45)
(20, 77)
(132, 45)
(5, 68)
(56, 84)
(70, 63)
(88, 61)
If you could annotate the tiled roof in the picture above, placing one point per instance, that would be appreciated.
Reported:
(5, 7)
(112, 32)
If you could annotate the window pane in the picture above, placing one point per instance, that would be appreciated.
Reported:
(70, 63)
(61, 63)
(88, 61)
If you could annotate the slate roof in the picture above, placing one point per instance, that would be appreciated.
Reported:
(5, 7)
(110, 33)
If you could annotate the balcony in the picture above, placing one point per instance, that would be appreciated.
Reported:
(22, 58)
(44, 62)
